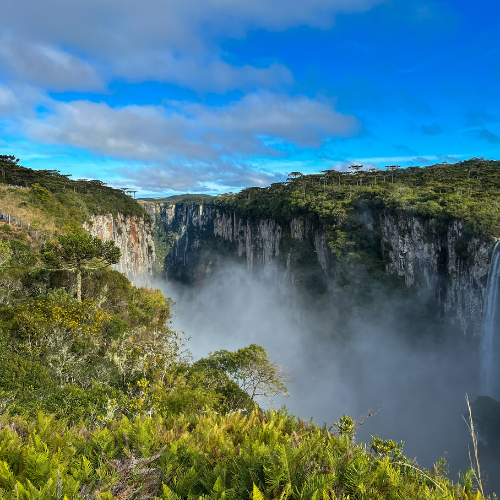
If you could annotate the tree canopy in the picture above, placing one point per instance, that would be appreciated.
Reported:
(251, 367)
(77, 251)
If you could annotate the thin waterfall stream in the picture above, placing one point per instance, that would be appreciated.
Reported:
(490, 341)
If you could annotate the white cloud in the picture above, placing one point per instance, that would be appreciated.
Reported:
(171, 40)
(193, 143)
(166, 176)
(47, 66)
(104, 26)
(19, 103)
(59, 45)
(192, 131)
(212, 75)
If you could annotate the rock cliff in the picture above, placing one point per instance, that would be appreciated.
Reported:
(453, 266)
(134, 237)
(181, 231)
(451, 263)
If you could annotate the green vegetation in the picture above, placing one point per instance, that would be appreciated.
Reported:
(112, 352)
(468, 190)
(261, 455)
(349, 206)
(79, 251)
(57, 197)
(99, 399)
(164, 242)
(166, 235)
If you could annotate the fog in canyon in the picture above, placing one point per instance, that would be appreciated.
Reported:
(345, 359)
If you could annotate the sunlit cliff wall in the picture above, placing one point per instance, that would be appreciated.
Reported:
(134, 237)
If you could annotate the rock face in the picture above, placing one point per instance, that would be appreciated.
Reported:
(193, 223)
(258, 242)
(455, 268)
(452, 264)
(134, 237)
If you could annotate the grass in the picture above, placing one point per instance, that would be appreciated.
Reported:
(16, 202)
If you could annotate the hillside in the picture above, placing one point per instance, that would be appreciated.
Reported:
(56, 198)
(468, 190)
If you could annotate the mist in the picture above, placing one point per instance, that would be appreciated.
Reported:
(389, 356)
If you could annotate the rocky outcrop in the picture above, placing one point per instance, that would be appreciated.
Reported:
(134, 237)
(258, 242)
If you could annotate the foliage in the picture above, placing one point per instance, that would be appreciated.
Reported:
(349, 206)
(98, 400)
(79, 251)
(167, 234)
(5, 252)
(251, 368)
(209, 456)
(53, 343)
(61, 198)
(467, 190)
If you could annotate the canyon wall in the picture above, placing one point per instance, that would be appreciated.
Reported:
(451, 263)
(134, 237)
(191, 226)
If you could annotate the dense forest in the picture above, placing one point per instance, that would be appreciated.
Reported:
(349, 205)
(100, 399)
(468, 190)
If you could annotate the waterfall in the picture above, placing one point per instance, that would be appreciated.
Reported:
(490, 340)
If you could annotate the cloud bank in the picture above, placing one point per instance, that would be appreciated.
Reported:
(214, 142)
(175, 40)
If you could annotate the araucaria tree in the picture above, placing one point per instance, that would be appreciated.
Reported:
(79, 251)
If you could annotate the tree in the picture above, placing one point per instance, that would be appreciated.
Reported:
(392, 168)
(252, 369)
(374, 172)
(77, 251)
(357, 168)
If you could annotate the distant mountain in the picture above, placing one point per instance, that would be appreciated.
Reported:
(179, 197)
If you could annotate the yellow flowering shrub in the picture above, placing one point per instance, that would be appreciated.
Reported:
(84, 318)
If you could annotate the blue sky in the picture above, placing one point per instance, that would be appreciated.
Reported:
(171, 96)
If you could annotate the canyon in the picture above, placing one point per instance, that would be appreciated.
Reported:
(452, 264)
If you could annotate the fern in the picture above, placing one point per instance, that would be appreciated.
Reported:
(210, 457)
(168, 494)
(36, 466)
(257, 495)
(315, 487)
(7, 478)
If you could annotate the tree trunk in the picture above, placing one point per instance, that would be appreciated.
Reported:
(78, 284)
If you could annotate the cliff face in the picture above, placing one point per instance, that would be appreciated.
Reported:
(134, 237)
(193, 224)
(258, 242)
(450, 263)
(456, 269)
